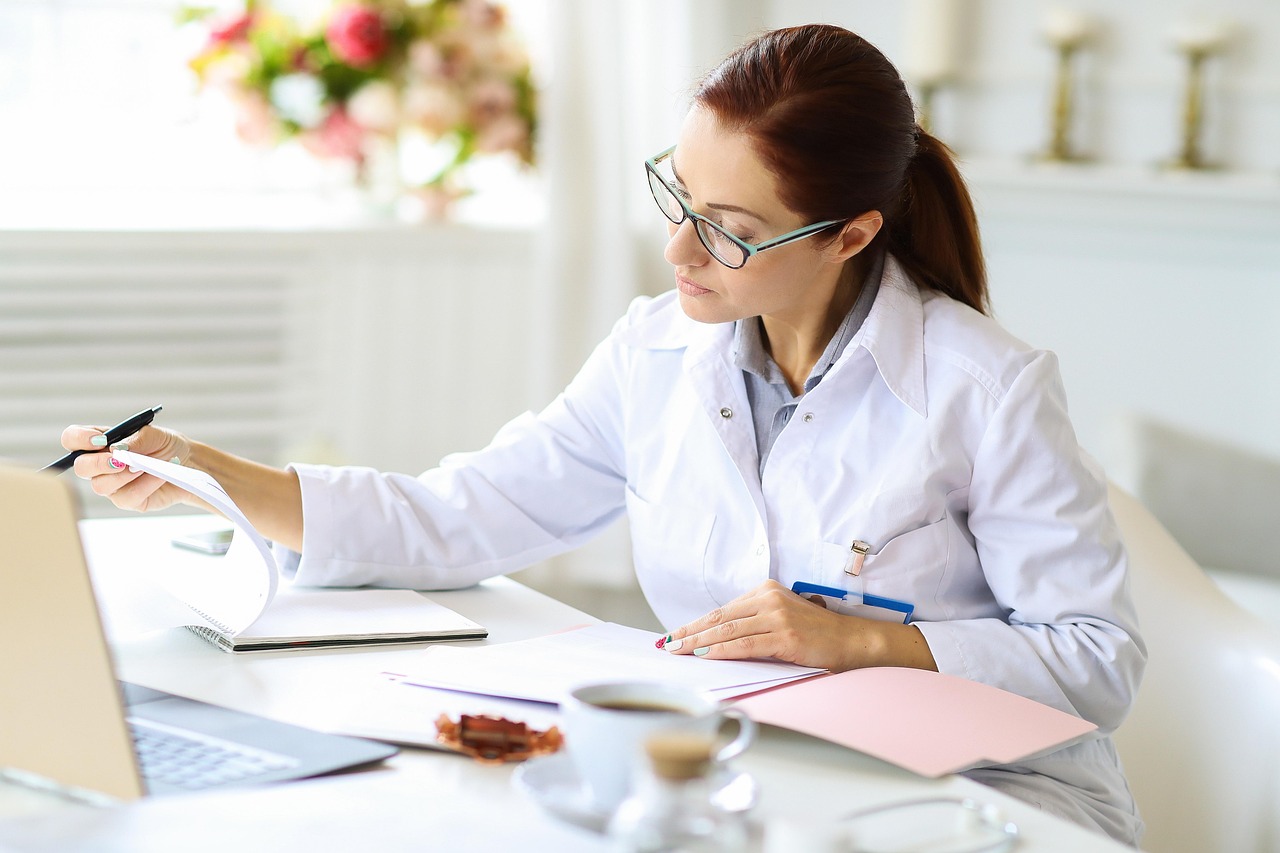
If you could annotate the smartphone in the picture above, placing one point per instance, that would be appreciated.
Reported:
(206, 542)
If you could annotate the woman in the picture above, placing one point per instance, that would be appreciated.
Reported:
(820, 399)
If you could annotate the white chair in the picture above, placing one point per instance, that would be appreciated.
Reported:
(1202, 745)
(1220, 500)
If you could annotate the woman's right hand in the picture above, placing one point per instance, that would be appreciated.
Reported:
(125, 488)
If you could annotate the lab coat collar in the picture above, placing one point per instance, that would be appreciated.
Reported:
(893, 334)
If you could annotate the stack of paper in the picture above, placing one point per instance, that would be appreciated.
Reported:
(545, 669)
(927, 722)
(238, 602)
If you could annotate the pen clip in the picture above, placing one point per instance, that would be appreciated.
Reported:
(857, 553)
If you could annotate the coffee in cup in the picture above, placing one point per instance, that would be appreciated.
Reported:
(607, 724)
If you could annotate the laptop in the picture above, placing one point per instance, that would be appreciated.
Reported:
(65, 719)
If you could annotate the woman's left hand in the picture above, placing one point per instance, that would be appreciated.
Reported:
(770, 621)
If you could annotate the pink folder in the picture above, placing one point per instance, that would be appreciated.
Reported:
(927, 722)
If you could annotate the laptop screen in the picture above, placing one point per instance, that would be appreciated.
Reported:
(60, 709)
(62, 715)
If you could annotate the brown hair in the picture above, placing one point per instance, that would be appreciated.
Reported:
(832, 119)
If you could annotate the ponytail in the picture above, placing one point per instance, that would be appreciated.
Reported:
(831, 115)
(935, 232)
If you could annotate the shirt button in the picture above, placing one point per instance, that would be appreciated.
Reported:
(726, 412)
(759, 550)
(808, 417)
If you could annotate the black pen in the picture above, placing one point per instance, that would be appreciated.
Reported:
(122, 430)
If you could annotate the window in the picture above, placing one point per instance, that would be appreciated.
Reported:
(99, 113)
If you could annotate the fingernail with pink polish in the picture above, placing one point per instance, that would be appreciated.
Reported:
(117, 464)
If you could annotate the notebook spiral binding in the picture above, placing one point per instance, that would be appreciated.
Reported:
(209, 636)
(200, 629)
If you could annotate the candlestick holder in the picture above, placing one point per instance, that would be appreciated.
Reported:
(1190, 156)
(1060, 150)
(932, 51)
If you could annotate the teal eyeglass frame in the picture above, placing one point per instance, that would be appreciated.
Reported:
(700, 222)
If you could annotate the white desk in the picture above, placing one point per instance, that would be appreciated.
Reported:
(420, 799)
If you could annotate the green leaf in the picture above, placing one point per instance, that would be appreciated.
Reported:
(188, 14)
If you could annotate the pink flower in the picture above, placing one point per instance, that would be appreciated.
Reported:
(300, 60)
(489, 100)
(231, 28)
(483, 14)
(507, 133)
(435, 202)
(255, 123)
(425, 58)
(375, 106)
(337, 136)
(357, 35)
(433, 107)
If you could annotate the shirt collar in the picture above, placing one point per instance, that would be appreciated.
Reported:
(749, 353)
(748, 345)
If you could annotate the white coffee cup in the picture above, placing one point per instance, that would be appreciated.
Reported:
(607, 724)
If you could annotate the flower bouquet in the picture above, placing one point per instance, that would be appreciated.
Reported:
(357, 80)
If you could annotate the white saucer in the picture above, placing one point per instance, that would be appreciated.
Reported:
(552, 782)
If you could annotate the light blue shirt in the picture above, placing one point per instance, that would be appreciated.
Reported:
(772, 403)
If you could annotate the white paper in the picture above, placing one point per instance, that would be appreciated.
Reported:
(297, 610)
(230, 592)
(127, 579)
(545, 669)
(239, 594)
(386, 709)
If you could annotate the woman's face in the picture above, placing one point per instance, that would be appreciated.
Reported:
(723, 179)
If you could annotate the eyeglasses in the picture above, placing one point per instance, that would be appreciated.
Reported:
(729, 250)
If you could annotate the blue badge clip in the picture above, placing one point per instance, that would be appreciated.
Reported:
(902, 609)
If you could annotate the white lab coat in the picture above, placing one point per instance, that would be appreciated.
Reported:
(937, 437)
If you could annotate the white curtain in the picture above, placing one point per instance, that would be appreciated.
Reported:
(617, 89)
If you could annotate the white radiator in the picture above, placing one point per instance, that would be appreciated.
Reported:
(381, 347)
(94, 329)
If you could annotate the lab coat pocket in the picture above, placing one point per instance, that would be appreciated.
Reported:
(909, 566)
(669, 547)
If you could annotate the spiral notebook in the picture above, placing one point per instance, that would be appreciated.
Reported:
(239, 602)
(332, 618)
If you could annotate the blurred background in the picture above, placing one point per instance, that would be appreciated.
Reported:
(314, 240)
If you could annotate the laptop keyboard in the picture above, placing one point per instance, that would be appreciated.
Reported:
(193, 762)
